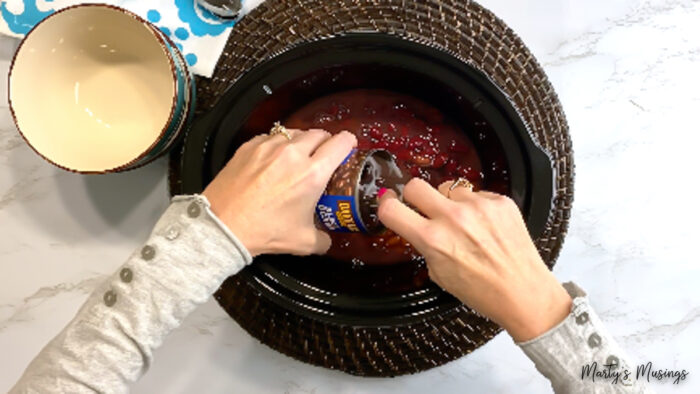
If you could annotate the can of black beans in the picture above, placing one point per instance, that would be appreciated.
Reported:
(349, 203)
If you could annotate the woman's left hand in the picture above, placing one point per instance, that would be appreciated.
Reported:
(477, 247)
(267, 193)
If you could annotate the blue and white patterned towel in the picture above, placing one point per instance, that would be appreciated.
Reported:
(200, 35)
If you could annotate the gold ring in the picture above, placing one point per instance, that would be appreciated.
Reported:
(277, 128)
(460, 182)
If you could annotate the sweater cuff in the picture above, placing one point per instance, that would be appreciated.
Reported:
(211, 218)
(570, 353)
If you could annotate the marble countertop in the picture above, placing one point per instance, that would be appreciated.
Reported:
(627, 74)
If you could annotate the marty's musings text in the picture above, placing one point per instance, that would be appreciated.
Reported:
(611, 372)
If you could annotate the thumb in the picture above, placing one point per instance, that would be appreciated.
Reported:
(322, 242)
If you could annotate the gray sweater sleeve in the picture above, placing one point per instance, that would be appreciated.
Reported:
(110, 341)
(579, 356)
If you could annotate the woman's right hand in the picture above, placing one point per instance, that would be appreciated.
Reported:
(267, 193)
(477, 248)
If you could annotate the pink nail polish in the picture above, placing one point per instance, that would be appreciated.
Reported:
(381, 192)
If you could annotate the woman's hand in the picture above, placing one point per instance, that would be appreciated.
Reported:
(477, 248)
(267, 193)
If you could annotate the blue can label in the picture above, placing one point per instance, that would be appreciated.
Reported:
(339, 213)
(345, 160)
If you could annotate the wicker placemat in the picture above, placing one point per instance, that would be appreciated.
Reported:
(477, 37)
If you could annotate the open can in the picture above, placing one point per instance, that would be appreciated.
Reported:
(349, 203)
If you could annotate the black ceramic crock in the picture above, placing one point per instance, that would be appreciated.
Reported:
(338, 292)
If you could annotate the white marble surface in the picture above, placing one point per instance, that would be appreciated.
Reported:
(627, 74)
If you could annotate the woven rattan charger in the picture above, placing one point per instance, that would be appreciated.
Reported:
(467, 31)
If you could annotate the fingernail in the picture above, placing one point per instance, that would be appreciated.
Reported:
(381, 192)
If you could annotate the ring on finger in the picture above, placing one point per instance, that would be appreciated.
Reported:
(460, 182)
(277, 128)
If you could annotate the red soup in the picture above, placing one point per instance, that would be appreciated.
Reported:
(425, 143)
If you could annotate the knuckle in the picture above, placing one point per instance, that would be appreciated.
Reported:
(386, 208)
(350, 137)
(317, 174)
(303, 244)
(313, 241)
(413, 186)
(321, 162)
(431, 239)
(288, 151)
(259, 139)
(415, 183)
(283, 149)
(445, 187)
(308, 244)
(438, 247)
(505, 201)
(495, 206)
(482, 205)
(258, 151)
(321, 133)
(322, 242)
(461, 215)
(433, 236)
(247, 145)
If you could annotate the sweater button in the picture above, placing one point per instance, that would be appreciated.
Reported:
(582, 318)
(193, 210)
(110, 298)
(613, 361)
(172, 232)
(126, 275)
(594, 340)
(148, 252)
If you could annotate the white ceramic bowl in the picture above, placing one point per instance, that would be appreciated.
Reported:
(95, 88)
